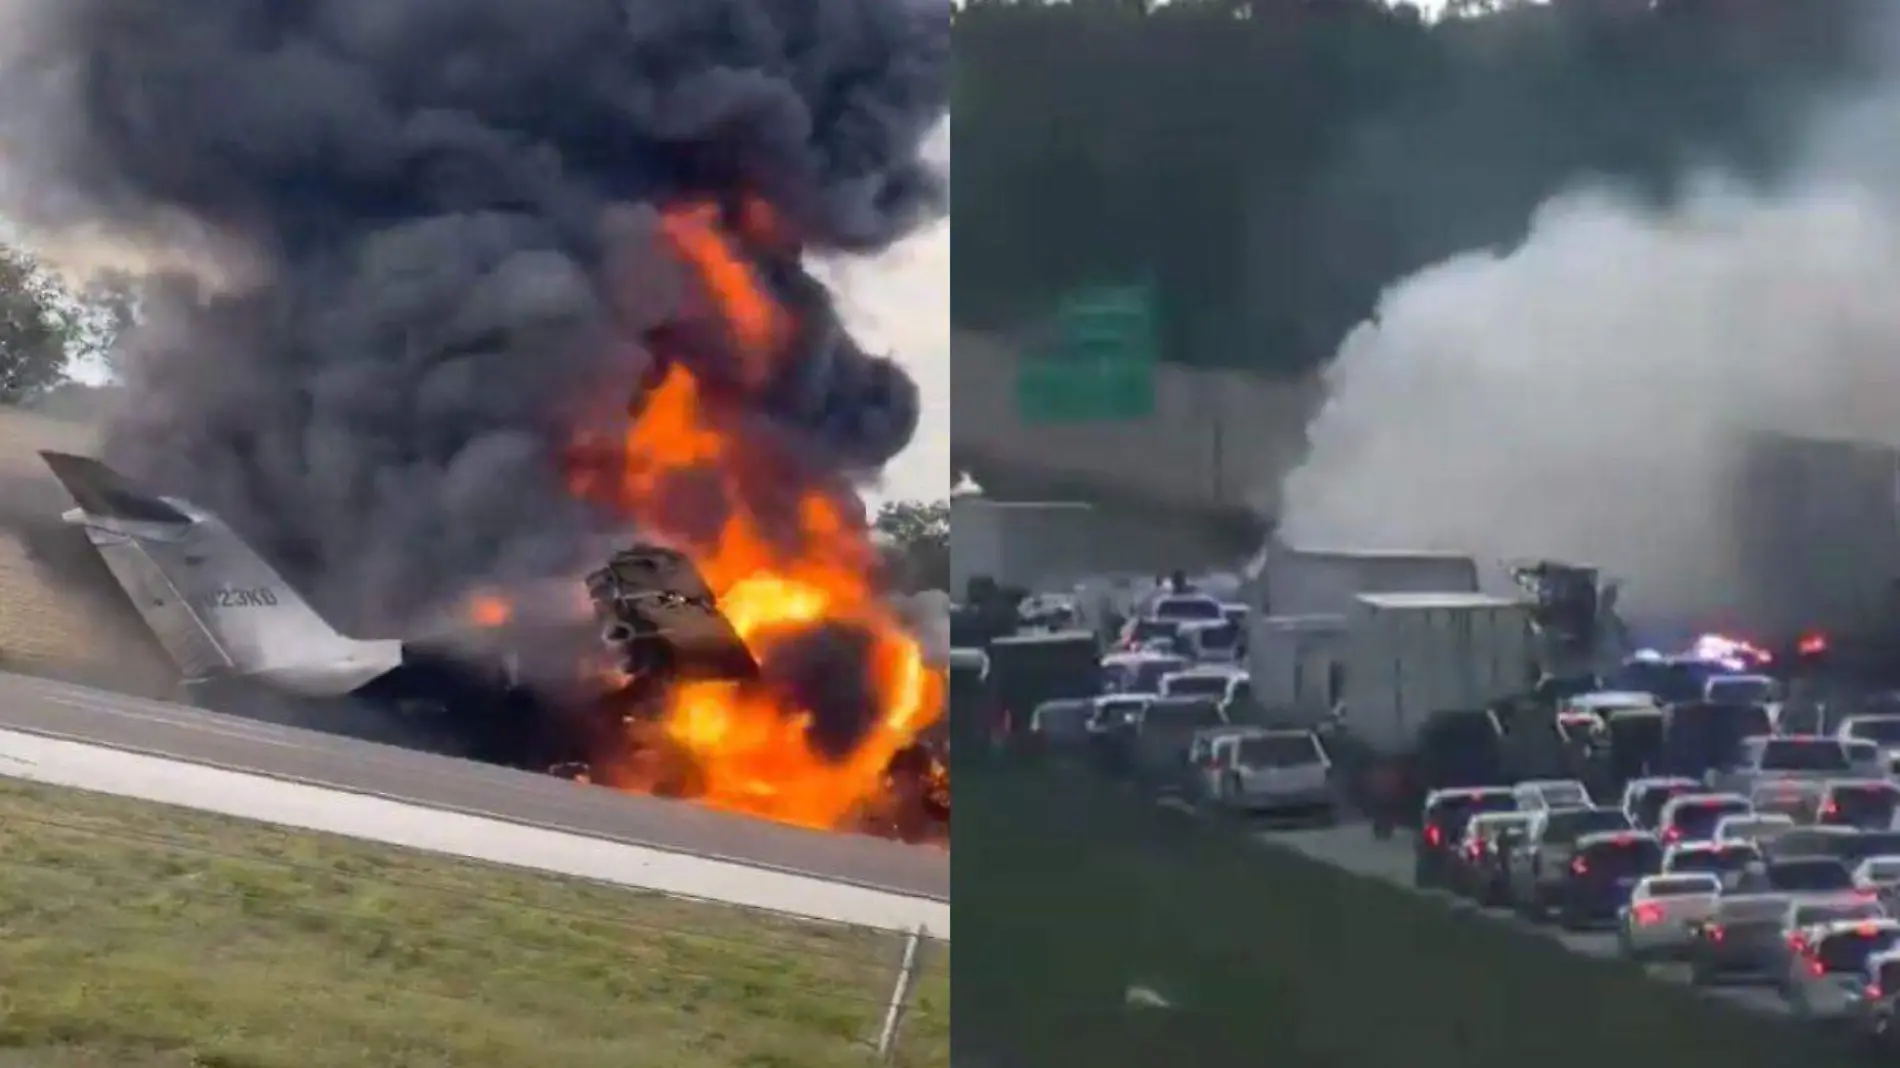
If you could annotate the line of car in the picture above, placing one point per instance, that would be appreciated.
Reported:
(1703, 886)
(1767, 880)
(1189, 745)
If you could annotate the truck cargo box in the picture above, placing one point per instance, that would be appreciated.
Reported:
(1816, 527)
(1039, 545)
(1290, 581)
(1411, 654)
(1294, 665)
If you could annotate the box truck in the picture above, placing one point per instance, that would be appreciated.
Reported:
(1295, 665)
(1816, 527)
(1410, 655)
(1288, 581)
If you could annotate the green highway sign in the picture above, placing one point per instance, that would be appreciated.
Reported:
(1100, 365)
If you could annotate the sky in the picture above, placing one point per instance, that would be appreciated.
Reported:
(900, 303)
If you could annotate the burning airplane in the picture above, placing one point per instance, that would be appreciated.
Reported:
(518, 287)
(668, 698)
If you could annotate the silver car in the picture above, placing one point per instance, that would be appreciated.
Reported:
(1881, 729)
(1825, 976)
(1879, 876)
(1802, 914)
(1663, 912)
(1781, 758)
(1733, 864)
(1535, 795)
(1208, 770)
(1693, 817)
(1759, 827)
(1275, 771)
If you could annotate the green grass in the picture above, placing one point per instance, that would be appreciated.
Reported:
(1069, 891)
(135, 935)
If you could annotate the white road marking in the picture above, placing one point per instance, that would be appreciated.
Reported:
(1145, 997)
(112, 771)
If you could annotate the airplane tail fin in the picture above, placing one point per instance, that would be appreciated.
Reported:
(213, 602)
(100, 491)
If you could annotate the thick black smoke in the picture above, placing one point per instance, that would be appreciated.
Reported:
(447, 215)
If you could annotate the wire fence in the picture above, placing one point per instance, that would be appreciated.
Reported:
(90, 873)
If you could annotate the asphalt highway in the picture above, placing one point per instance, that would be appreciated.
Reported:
(1352, 848)
(179, 732)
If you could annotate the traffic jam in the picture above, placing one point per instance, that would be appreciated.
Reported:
(1701, 833)
(1161, 699)
(1775, 871)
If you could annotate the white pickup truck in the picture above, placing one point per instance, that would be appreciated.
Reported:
(1781, 758)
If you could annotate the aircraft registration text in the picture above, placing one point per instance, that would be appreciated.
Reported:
(239, 597)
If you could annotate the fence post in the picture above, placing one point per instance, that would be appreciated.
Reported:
(900, 995)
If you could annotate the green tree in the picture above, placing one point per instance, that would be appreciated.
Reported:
(105, 309)
(919, 541)
(34, 334)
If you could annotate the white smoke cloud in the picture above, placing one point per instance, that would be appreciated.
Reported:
(927, 614)
(1579, 396)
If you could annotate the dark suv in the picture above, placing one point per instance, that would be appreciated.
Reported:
(1442, 826)
(1603, 870)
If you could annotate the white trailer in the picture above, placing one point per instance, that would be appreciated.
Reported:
(1289, 581)
(1035, 545)
(1409, 655)
(1295, 664)
(1817, 526)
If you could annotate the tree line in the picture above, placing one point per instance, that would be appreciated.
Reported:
(48, 327)
(1270, 166)
(916, 538)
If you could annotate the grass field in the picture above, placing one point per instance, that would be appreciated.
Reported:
(142, 936)
(1069, 891)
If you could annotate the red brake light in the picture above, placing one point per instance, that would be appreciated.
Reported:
(1816, 968)
(1672, 834)
(1579, 866)
(1867, 895)
(1797, 943)
(1812, 644)
(1831, 808)
(1648, 912)
(1873, 992)
(1433, 836)
(1714, 931)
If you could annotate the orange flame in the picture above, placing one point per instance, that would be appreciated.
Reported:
(489, 610)
(760, 329)
(786, 554)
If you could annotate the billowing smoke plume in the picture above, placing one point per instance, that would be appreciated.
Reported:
(1580, 395)
(927, 614)
(446, 216)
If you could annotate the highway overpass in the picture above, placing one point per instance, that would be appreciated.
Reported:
(1208, 461)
